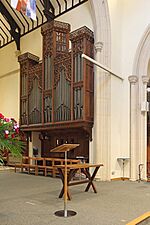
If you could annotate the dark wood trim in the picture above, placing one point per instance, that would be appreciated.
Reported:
(14, 28)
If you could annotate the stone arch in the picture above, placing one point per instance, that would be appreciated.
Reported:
(142, 55)
(140, 69)
(102, 29)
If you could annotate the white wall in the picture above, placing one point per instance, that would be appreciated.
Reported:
(8, 59)
(78, 17)
(9, 95)
(32, 42)
(129, 20)
(119, 92)
(9, 82)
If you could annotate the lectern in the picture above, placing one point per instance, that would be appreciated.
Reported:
(65, 148)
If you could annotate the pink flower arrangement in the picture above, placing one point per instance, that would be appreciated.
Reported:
(9, 136)
(8, 127)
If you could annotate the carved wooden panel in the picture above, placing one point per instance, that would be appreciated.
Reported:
(31, 90)
(55, 38)
(83, 77)
(54, 139)
(57, 93)
(47, 89)
(62, 88)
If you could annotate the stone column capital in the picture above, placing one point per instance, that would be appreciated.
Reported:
(98, 46)
(145, 79)
(133, 79)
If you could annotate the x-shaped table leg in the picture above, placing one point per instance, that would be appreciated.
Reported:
(91, 178)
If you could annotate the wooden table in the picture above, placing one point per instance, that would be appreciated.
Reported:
(72, 170)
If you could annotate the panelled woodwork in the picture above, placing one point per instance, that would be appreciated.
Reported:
(30, 89)
(70, 136)
(57, 94)
(83, 86)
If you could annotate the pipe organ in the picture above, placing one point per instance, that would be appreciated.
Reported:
(57, 93)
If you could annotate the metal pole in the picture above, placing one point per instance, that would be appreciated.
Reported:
(123, 167)
(65, 213)
(140, 170)
(65, 186)
(101, 66)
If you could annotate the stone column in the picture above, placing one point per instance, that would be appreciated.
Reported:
(143, 146)
(133, 127)
(101, 130)
(102, 125)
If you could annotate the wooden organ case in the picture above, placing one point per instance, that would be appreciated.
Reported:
(57, 94)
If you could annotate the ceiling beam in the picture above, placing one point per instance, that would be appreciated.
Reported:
(14, 28)
(49, 10)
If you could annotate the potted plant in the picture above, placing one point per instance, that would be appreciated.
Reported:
(10, 139)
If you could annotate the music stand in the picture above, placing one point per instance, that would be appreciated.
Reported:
(65, 148)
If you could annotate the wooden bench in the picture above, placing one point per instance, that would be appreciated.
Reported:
(35, 164)
(12, 160)
(51, 163)
(46, 165)
(25, 164)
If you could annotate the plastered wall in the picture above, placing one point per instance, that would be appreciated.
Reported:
(129, 20)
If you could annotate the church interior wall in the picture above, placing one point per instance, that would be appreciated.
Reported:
(32, 43)
(129, 20)
(9, 95)
(8, 59)
(9, 82)
(116, 126)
